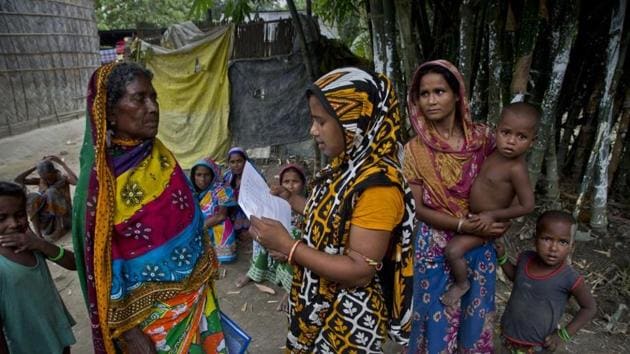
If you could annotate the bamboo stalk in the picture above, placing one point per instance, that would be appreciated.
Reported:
(616, 57)
(621, 134)
(563, 36)
(621, 183)
(551, 171)
(479, 90)
(494, 28)
(466, 41)
(379, 50)
(528, 35)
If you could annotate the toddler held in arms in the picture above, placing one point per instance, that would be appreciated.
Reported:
(503, 176)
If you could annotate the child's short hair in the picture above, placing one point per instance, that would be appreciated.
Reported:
(523, 110)
(556, 215)
(10, 189)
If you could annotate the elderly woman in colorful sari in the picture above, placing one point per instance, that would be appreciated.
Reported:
(215, 198)
(145, 261)
(440, 164)
(353, 268)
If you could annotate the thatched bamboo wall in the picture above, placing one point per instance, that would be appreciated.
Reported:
(48, 50)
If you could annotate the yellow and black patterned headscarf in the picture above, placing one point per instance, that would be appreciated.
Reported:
(367, 110)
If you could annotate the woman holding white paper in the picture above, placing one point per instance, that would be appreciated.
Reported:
(353, 277)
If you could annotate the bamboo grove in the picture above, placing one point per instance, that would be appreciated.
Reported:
(565, 56)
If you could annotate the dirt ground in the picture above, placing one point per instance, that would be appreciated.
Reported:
(604, 260)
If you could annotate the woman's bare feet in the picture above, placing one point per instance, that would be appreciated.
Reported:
(454, 293)
(242, 281)
(283, 306)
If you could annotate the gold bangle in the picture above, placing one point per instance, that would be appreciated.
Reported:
(292, 252)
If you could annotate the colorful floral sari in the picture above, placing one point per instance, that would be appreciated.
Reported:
(238, 217)
(446, 176)
(215, 196)
(144, 258)
(324, 318)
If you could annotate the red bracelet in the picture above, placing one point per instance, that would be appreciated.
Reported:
(293, 248)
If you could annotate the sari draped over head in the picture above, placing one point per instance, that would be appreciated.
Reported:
(238, 217)
(446, 175)
(143, 256)
(215, 196)
(324, 317)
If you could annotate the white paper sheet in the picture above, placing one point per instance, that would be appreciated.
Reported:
(255, 199)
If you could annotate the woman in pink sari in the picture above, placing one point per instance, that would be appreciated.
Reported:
(440, 164)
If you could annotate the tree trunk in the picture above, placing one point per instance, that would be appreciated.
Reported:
(567, 134)
(551, 172)
(495, 65)
(392, 65)
(466, 40)
(308, 64)
(578, 155)
(527, 36)
(306, 53)
(621, 185)
(309, 8)
(479, 90)
(616, 55)
(563, 35)
(379, 48)
(426, 37)
(408, 52)
(621, 135)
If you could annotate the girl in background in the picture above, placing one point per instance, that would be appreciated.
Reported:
(215, 198)
(232, 178)
(293, 179)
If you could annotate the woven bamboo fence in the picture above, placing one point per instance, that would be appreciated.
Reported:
(48, 50)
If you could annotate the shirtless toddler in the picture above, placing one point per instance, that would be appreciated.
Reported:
(503, 176)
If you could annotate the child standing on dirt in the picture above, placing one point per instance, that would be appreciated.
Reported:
(50, 207)
(503, 175)
(543, 283)
(32, 315)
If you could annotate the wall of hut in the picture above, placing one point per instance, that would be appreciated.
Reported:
(48, 50)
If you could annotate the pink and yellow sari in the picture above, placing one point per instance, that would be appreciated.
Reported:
(446, 175)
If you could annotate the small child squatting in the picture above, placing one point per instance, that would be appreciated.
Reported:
(503, 176)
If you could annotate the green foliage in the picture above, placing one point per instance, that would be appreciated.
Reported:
(114, 14)
(237, 10)
(337, 11)
(347, 16)
(200, 8)
(361, 45)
